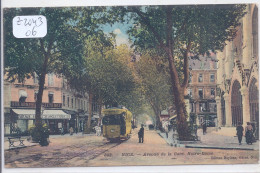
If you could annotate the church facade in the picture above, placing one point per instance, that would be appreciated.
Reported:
(237, 94)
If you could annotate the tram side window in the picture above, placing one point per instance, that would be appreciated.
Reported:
(113, 120)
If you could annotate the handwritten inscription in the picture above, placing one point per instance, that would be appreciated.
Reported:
(29, 26)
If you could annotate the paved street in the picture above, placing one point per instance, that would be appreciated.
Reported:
(89, 150)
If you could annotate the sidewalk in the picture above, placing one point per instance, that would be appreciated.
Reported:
(211, 140)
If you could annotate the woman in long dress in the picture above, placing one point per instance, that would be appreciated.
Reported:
(249, 133)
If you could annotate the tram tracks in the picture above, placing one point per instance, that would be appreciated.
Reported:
(61, 157)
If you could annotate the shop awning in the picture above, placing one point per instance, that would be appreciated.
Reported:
(47, 114)
(173, 117)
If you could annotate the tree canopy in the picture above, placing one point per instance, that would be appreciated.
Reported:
(177, 32)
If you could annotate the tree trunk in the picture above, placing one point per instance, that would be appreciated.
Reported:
(178, 91)
(158, 122)
(38, 119)
(99, 111)
(88, 125)
(157, 112)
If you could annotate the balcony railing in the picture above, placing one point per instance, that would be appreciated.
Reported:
(33, 104)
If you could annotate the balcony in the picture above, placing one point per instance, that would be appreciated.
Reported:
(33, 104)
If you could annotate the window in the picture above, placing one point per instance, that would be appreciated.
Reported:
(190, 78)
(84, 105)
(200, 79)
(190, 92)
(68, 99)
(50, 79)
(201, 93)
(72, 102)
(212, 77)
(35, 95)
(63, 100)
(191, 107)
(63, 83)
(202, 107)
(212, 92)
(36, 79)
(212, 107)
(51, 97)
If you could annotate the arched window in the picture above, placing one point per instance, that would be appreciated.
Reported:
(236, 104)
(253, 100)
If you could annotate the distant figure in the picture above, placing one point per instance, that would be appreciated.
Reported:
(76, 130)
(249, 133)
(98, 130)
(141, 134)
(62, 131)
(71, 131)
(204, 127)
(240, 130)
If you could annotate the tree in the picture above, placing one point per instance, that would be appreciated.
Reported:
(60, 51)
(177, 32)
(155, 86)
(106, 75)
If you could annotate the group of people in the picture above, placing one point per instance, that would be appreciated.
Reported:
(249, 133)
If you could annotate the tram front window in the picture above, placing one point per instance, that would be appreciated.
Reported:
(113, 120)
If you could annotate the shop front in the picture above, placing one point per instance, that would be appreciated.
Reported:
(82, 120)
(55, 119)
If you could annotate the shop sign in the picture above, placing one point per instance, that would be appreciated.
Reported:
(55, 116)
(26, 116)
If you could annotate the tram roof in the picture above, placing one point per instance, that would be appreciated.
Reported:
(113, 111)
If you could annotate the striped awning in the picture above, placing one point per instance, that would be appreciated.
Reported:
(47, 114)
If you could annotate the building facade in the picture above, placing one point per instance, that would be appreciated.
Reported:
(202, 90)
(62, 107)
(238, 75)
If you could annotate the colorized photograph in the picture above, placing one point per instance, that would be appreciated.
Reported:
(151, 85)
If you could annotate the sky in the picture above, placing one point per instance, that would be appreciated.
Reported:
(120, 29)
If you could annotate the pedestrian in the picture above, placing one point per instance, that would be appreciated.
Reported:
(71, 131)
(141, 134)
(240, 130)
(76, 130)
(98, 130)
(249, 133)
(166, 128)
(204, 127)
(62, 131)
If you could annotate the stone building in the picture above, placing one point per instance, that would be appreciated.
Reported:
(202, 90)
(62, 106)
(238, 75)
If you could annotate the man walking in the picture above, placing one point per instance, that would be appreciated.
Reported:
(240, 130)
(204, 127)
(141, 134)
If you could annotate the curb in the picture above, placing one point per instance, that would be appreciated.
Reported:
(221, 148)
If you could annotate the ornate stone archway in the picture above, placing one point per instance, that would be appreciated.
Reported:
(236, 104)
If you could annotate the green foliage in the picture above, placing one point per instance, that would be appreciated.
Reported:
(63, 42)
(154, 82)
(108, 72)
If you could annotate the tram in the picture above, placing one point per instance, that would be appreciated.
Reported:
(116, 123)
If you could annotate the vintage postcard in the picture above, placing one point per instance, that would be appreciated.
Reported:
(130, 85)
